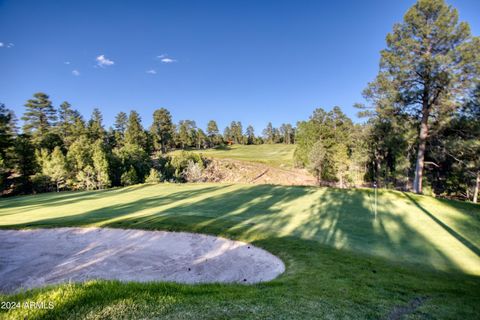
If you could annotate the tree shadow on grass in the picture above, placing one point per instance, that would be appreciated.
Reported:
(62, 198)
(452, 232)
(339, 218)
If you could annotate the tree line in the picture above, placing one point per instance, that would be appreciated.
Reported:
(57, 149)
(422, 128)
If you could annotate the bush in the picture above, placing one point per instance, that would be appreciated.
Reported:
(129, 177)
(154, 176)
(178, 163)
(193, 172)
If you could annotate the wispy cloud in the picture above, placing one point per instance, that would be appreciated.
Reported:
(76, 73)
(103, 62)
(6, 45)
(165, 59)
(67, 62)
(151, 71)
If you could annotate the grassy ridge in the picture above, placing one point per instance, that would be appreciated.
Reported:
(341, 261)
(279, 155)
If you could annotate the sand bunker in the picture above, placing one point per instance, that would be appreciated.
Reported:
(33, 258)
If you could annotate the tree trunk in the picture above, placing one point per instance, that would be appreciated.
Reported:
(417, 183)
(477, 186)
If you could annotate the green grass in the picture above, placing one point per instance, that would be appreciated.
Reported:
(341, 262)
(279, 155)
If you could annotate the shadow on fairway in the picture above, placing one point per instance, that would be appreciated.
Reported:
(339, 218)
(459, 237)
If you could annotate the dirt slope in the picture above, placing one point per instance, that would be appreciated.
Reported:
(236, 171)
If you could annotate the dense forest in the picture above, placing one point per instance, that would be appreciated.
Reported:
(421, 133)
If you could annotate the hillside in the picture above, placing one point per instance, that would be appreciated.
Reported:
(278, 155)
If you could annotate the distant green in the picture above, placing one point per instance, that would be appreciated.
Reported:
(279, 155)
(341, 261)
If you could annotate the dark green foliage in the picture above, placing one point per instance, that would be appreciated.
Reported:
(134, 132)
(130, 177)
(24, 163)
(95, 129)
(162, 130)
(39, 117)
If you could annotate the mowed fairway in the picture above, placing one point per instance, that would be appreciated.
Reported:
(280, 155)
(340, 261)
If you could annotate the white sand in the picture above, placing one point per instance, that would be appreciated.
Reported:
(34, 258)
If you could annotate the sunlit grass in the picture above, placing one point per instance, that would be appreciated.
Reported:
(279, 155)
(341, 261)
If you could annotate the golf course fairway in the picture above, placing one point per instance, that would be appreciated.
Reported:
(341, 261)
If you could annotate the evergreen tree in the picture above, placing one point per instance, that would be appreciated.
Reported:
(66, 123)
(162, 129)
(186, 133)
(250, 135)
(24, 162)
(54, 166)
(430, 60)
(39, 117)
(120, 126)
(100, 165)
(154, 176)
(202, 140)
(134, 133)
(269, 133)
(213, 133)
(7, 134)
(95, 128)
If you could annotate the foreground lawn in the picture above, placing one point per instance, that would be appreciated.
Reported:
(419, 257)
(279, 155)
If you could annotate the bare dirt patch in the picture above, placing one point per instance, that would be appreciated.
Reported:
(236, 171)
(34, 258)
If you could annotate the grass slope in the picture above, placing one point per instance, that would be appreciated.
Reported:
(341, 262)
(279, 155)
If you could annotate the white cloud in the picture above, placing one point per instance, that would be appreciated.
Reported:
(76, 73)
(151, 71)
(165, 59)
(67, 62)
(168, 60)
(2, 44)
(103, 62)
(10, 45)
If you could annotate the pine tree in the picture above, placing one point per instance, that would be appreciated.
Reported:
(39, 117)
(213, 133)
(134, 133)
(95, 128)
(7, 134)
(66, 123)
(54, 166)
(154, 176)
(250, 135)
(24, 162)
(120, 126)
(100, 165)
(162, 129)
(187, 133)
(202, 140)
(430, 60)
(269, 133)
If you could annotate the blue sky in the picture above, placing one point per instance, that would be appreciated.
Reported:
(252, 61)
